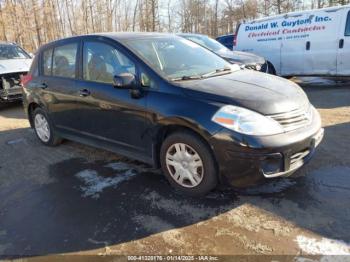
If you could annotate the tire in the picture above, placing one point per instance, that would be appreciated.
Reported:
(51, 139)
(271, 68)
(205, 177)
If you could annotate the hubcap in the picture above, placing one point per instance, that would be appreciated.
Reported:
(184, 165)
(42, 127)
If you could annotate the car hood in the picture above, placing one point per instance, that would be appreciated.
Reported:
(14, 65)
(257, 91)
(240, 57)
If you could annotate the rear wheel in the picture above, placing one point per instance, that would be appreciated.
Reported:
(188, 164)
(44, 129)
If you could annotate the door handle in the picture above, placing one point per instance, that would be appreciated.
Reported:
(341, 43)
(308, 45)
(84, 93)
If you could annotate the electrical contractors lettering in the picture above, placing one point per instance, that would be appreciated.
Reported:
(287, 27)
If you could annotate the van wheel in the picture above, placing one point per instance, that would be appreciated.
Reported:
(271, 69)
(44, 129)
(188, 164)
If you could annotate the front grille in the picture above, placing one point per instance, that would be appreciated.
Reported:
(294, 119)
(256, 67)
(299, 156)
(252, 67)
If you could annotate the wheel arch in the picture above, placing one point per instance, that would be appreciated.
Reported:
(31, 108)
(165, 130)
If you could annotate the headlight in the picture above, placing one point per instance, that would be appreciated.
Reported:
(246, 121)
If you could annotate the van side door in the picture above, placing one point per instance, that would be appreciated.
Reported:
(322, 44)
(293, 46)
(343, 56)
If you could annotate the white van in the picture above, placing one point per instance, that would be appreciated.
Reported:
(315, 42)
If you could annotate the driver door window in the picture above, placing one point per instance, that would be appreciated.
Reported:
(101, 62)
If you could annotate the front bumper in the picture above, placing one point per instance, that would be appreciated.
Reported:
(11, 94)
(247, 160)
(297, 160)
(10, 86)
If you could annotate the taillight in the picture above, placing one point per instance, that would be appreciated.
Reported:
(235, 36)
(25, 79)
(234, 41)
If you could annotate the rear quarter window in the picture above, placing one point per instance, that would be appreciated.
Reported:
(47, 62)
(34, 68)
(347, 26)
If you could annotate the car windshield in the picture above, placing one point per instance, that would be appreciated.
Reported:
(177, 58)
(12, 52)
(207, 42)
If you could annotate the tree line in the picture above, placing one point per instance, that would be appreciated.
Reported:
(32, 23)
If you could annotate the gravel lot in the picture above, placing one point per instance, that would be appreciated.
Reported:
(78, 199)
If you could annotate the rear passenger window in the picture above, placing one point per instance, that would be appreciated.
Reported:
(347, 27)
(101, 62)
(47, 62)
(64, 59)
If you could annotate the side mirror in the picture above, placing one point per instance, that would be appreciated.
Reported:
(124, 81)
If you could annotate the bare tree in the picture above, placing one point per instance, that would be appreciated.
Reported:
(3, 27)
(35, 22)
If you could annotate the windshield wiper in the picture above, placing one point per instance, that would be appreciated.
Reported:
(213, 73)
(183, 78)
(217, 72)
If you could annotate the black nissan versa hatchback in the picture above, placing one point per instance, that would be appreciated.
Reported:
(166, 101)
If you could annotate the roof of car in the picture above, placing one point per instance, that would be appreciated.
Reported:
(190, 34)
(228, 35)
(122, 35)
(6, 43)
(118, 36)
(132, 35)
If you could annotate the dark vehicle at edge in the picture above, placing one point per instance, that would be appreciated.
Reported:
(226, 40)
(245, 59)
(163, 100)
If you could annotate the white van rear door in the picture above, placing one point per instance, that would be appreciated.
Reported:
(321, 58)
(343, 59)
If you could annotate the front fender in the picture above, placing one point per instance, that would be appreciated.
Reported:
(178, 110)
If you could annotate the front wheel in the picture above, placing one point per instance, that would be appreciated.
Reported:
(44, 130)
(188, 164)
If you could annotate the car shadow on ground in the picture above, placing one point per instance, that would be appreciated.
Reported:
(89, 205)
(7, 110)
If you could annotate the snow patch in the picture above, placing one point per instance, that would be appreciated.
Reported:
(95, 184)
(16, 141)
(325, 246)
(121, 166)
